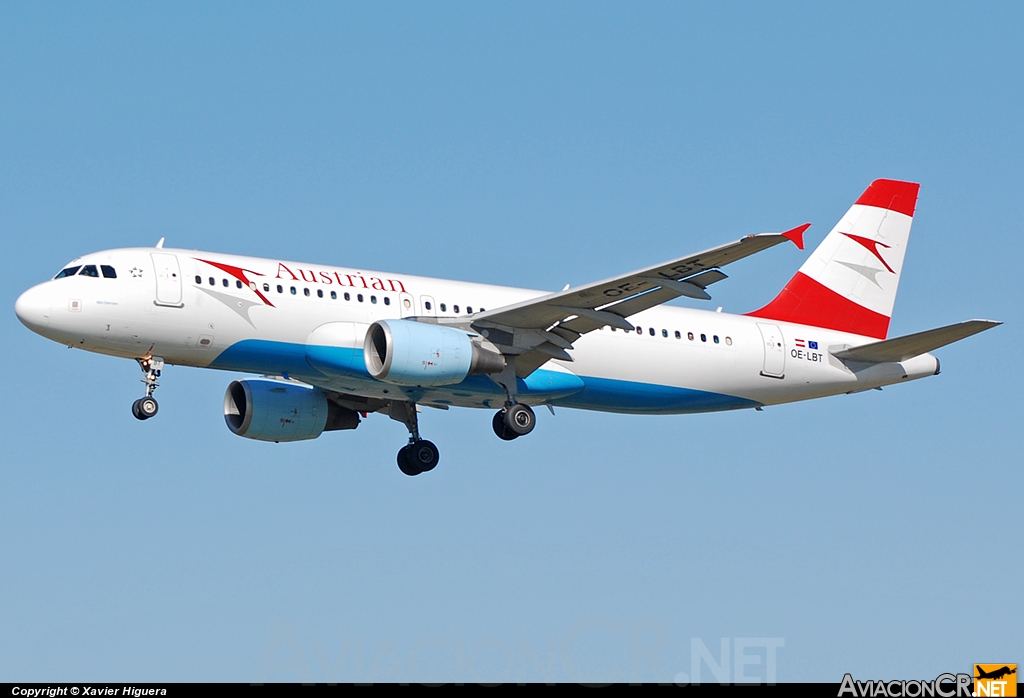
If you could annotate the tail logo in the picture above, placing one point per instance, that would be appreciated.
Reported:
(872, 247)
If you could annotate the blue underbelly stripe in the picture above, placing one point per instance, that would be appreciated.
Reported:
(611, 395)
(262, 356)
(564, 389)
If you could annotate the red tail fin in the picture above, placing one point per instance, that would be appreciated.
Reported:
(849, 283)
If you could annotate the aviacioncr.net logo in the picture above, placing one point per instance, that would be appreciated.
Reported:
(943, 686)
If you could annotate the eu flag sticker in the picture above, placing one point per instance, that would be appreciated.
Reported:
(812, 345)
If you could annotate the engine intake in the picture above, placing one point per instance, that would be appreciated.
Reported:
(405, 352)
(272, 410)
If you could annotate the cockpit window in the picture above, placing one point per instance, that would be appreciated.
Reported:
(70, 271)
(89, 270)
(108, 271)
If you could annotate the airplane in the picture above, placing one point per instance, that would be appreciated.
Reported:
(330, 345)
(995, 674)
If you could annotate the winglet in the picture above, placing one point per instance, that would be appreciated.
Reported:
(796, 235)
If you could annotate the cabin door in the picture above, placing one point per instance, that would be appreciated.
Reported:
(774, 350)
(168, 280)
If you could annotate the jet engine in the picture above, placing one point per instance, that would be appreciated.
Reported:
(405, 352)
(274, 410)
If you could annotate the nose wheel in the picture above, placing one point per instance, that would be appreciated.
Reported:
(146, 407)
(513, 421)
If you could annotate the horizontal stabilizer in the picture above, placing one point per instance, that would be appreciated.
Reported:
(911, 345)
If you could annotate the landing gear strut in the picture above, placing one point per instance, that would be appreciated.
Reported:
(146, 407)
(513, 421)
(419, 455)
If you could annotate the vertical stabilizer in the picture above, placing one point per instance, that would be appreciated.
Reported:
(849, 283)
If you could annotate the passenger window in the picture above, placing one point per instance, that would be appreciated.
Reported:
(716, 339)
(280, 288)
(703, 337)
(293, 290)
(224, 282)
(70, 271)
(664, 333)
(482, 310)
(612, 329)
(334, 295)
(427, 305)
(387, 301)
(469, 309)
(319, 293)
(689, 336)
(373, 299)
(455, 308)
(213, 282)
(199, 279)
(89, 270)
(238, 284)
(266, 288)
(678, 336)
(443, 308)
(305, 292)
(728, 341)
(639, 330)
(108, 271)
(347, 296)
(651, 330)
(359, 297)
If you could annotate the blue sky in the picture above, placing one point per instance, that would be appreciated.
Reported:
(535, 145)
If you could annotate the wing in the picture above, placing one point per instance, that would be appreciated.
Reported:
(540, 329)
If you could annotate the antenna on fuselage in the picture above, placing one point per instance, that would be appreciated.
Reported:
(160, 245)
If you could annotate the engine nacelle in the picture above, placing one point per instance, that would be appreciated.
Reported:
(405, 352)
(271, 410)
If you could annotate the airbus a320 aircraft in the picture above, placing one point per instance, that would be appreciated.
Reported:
(334, 344)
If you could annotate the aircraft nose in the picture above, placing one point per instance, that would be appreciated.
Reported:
(33, 308)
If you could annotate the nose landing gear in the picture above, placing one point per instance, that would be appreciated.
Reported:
(146, 407)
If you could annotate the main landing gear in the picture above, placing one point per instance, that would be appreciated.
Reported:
(146, 407)
(513, 420)
(419, 455)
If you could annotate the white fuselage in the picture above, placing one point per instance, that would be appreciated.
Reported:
(263, 316)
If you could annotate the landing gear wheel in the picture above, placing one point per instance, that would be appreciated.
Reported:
(498, 424)
(519, 419)
(405, 463)
(144, 408)
(424, 455)
(418, 457)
